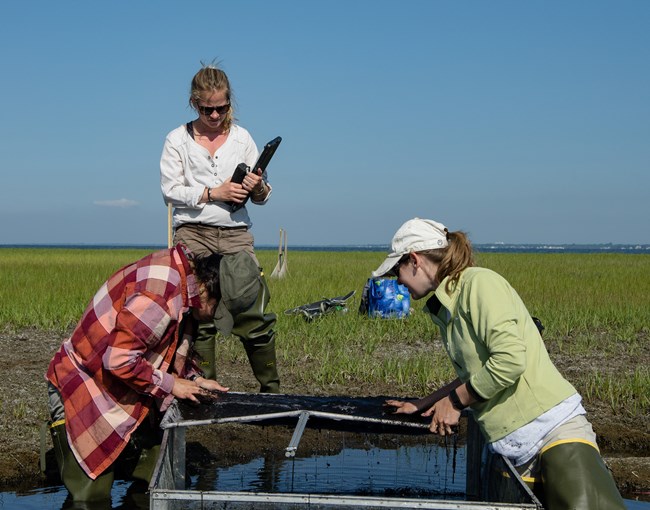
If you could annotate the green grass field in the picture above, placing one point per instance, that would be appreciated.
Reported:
(594, 307)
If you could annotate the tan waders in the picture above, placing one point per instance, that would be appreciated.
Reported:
(260, 352)
(137, 462)
(240, 280)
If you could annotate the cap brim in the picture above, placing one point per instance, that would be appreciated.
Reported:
(386, 265)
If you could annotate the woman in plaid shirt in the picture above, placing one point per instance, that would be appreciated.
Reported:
(128, 357)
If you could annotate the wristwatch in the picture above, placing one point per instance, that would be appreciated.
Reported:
(455, 401)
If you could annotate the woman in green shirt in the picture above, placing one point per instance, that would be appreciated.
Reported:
(527, 411)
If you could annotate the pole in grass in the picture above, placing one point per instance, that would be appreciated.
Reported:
(281, 270)
(169, 226)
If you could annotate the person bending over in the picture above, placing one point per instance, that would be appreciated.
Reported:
(525, 409)
(129, 356)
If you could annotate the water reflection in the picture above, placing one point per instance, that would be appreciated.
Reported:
(55, 497)
(368, 465)
(124, 496)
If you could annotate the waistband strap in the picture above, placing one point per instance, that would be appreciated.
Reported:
(217, 227)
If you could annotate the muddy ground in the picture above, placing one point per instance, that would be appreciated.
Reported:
(24, 356)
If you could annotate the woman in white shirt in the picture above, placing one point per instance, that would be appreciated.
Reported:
(196, 167)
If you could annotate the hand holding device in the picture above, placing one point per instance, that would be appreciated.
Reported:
(262, 162)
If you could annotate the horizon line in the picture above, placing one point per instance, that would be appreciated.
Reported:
(307, 245)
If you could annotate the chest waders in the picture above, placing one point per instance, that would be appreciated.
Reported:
(574, 476)
(255, 331)
(137, 461)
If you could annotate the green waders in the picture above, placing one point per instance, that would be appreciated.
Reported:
(137, 461)
(205, 347)
(80, 486)
(574, 476)
(255, 331)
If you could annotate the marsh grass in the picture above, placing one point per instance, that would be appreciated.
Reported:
(50, 288)
(623, 392)
(594, 308)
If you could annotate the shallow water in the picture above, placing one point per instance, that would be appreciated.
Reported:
(51, 498)
(420, 471)
(56, 497)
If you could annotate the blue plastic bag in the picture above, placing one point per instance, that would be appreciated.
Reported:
(388, 299)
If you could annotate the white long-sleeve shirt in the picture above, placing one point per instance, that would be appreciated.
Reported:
(187, 168)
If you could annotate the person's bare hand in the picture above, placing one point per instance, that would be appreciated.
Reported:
(252, 181)
(444, 417)
(209, 384)
(229, 192)
(190, 390)
(401, 407)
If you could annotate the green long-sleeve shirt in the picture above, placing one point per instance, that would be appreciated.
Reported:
(494, 344)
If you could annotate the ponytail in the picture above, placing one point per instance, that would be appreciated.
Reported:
(453, 259)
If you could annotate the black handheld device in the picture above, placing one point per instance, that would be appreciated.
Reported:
(267, 154)
(262, 162)
(239, 173)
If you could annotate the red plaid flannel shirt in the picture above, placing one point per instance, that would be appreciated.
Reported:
(123, 355)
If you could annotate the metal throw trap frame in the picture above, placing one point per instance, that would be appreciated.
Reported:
(491, 481)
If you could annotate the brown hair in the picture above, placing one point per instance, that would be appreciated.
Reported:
(453, 259)
(206, 271)
(211, 79)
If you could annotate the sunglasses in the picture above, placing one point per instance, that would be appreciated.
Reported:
(207, 110)
(395, 270)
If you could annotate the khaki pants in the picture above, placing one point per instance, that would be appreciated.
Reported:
(203, 240)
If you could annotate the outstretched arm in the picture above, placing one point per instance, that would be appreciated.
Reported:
(425, 403)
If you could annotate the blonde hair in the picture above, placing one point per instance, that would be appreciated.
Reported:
(453, 259)
(211, 79)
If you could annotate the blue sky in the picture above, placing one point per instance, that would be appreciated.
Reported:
(518, 122)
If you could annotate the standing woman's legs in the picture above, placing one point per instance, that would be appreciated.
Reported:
(254, 327)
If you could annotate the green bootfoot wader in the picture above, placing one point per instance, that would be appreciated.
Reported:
(137, 461)
(574, 476)
(80, 486)
(205, 346)
(262, 360)
(255, 330)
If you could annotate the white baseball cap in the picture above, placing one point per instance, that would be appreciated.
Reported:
(415, 235)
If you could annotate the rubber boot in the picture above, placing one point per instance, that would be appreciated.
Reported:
(146, 442)
(255, 330)
(146, 464)
(138, 458)
(574, 476)
(205, 346)
(261, 356)
(80, 486)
